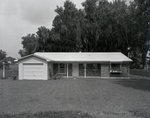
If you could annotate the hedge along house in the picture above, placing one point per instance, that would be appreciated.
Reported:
(44, 66)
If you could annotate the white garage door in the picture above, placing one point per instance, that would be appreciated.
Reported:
(33, 71)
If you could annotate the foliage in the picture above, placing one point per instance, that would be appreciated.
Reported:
(2, 54)
(3, 59)
(30, 44)
(99, 26)
(44, 39)
(67, 27)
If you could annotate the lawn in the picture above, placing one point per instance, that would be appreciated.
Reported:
(80, 98)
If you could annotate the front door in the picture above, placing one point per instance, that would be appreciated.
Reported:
(75, 69)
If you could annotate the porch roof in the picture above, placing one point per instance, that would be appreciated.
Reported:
(84, 56)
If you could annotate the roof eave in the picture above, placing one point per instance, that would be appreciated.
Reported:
(33, 55)
(90, 61)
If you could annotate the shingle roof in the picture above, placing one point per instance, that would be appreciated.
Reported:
(84, 56)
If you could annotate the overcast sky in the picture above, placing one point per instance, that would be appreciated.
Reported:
(21, 17)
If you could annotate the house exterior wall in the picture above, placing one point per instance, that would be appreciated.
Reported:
(92, 71)
(79, 70)
(32, 60)
(125, 70)
(20, 71)
(105, 70)
(75, 69)
(36, 67)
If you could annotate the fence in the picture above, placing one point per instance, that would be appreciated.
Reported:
(140, 72)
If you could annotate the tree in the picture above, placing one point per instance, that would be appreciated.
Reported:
(3, 59)
(139, 16)
(2, 54)
(30, 44)
(101, 26)
(67, 27)
(44, 39)
(22, 53)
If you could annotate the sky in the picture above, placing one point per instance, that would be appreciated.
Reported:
(21, 17)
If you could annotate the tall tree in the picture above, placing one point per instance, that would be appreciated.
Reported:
(30, 44)
(103, 24)
(99, 26)
(67, 27)
(139, 18)
(43, 39)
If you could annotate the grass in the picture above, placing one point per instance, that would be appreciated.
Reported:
(68, 98)
(50, 114)
(140, 84)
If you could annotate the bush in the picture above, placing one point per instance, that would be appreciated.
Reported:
(57, 77)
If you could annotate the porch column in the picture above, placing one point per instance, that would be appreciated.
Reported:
(121, 67)
(84, 69)
(67, 69)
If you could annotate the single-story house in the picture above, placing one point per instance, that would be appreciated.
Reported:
(45, 65)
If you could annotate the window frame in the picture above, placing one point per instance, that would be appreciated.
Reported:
(118, 70)
(94, 68)
(59, 67)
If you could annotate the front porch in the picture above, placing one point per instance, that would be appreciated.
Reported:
(88, 70)
(82, 70)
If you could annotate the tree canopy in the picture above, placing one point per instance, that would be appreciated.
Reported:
(101, 26)
(2, 54)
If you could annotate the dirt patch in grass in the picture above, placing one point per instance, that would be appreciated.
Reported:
(50, 114)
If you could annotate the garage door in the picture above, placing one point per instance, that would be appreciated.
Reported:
(33, 71)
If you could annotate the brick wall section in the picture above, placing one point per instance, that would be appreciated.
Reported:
(105, 70)
(125, 70)
(91, 72)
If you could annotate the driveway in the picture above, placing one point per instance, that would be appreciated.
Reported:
(111, 98)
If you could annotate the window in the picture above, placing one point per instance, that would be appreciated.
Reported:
(94, 67)
(115, 68)
(62, 68)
